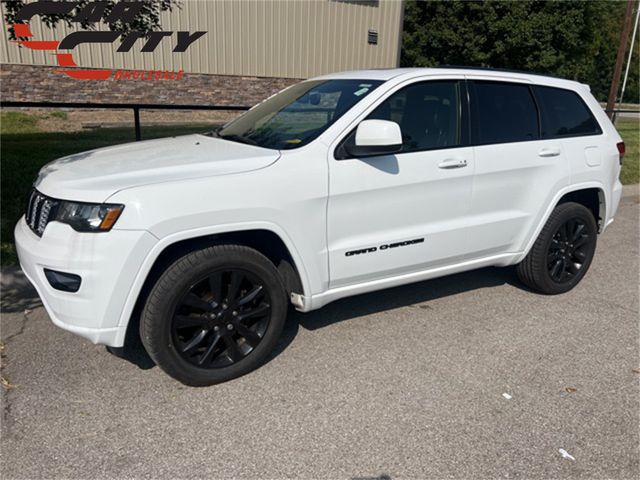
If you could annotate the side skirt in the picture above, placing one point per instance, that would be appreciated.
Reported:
(314, 302)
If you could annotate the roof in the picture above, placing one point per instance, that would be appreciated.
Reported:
(389, 73)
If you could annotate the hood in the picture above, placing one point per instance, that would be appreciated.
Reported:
(95, 175)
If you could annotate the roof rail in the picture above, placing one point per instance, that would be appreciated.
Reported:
(504, 70)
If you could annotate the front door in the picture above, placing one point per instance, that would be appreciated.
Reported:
(405, 212)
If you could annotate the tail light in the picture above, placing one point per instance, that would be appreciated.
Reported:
(621, 150)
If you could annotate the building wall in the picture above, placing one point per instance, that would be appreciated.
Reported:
(261, 38)
(37, 83)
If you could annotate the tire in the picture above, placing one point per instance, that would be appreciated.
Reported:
(206, 302)
(562, 253)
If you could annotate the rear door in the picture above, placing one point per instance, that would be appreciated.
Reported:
(517, 171)
(566, 118)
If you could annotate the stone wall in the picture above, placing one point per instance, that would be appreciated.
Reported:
(44, 84)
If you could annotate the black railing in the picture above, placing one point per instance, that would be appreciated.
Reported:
(613, 114)
(136, 107)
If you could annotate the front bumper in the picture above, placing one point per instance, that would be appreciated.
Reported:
(106, 262)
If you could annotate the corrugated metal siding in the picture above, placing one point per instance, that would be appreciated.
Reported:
(272, 38)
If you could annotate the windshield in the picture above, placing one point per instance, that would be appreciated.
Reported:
(297, 115)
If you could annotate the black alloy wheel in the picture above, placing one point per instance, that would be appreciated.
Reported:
(221, 319)
(568, 250)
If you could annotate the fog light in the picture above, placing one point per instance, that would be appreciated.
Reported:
(67, 282)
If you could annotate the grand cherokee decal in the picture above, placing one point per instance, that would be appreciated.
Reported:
(384, 246)
(95, 12)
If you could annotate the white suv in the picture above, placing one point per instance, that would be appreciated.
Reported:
(336, 186)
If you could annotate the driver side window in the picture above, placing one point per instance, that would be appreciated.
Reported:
(429, 115)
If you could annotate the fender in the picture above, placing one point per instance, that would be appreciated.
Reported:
(547, 213)
(165, 242)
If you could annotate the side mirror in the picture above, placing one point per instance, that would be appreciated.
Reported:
(376, 137)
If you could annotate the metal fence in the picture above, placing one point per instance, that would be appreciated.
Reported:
(123, 106)
(614, 114)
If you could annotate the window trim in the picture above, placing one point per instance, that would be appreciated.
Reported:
(538, 111)
(584, 104)
(467, 95)
(463, 112)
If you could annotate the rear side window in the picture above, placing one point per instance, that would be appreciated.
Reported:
(563, 114)
(503, 113)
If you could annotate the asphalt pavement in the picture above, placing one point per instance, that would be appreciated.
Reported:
(468, 376)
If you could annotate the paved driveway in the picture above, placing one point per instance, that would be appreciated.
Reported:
(465, 377)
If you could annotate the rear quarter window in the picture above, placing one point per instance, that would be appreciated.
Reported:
(564, 114)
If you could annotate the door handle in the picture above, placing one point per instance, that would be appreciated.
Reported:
(549, 152)
(450, 163)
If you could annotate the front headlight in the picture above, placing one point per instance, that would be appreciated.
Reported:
(88, 217)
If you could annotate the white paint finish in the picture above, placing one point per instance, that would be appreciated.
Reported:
(97, 174)
(396, 198)
(507, 396)
(592, 156)
(487, 212)
(288, 197)
(511, 186)
(378, 132)
(106, 262)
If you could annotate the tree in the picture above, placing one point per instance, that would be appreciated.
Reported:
(571, 39)
(146, 21)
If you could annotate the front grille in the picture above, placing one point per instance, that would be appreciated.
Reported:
(40, 210)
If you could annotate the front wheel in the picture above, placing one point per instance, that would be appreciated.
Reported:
(563, 251)
(214, 314)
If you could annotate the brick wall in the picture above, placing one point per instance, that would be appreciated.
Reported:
(43, 84)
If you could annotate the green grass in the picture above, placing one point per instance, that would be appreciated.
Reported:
(24, 151)
(18, 122)
(629, 129)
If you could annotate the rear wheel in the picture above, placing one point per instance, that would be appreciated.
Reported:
(563, 251)
(214, 314)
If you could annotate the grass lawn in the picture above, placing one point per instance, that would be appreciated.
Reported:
(629, 130)
(24, 150)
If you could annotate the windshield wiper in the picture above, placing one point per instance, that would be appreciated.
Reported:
(238, 138)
